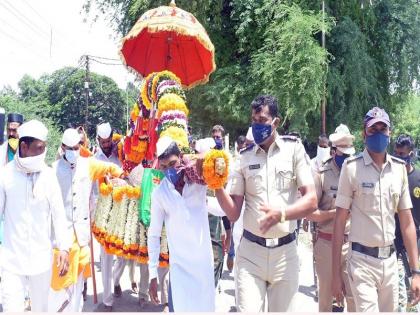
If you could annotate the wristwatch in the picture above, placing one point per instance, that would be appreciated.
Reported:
(282, 216)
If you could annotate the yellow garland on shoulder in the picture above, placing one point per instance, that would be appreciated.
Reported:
(212, 179)
(157, 78)
(171, 101)
(177, 134)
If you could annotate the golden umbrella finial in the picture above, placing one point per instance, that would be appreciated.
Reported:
(172, 4)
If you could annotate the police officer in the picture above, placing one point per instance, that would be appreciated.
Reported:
(326, 184)
(404, 150)
(373, 186)
(268, 178)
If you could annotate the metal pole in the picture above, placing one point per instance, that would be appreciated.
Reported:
(87, 93)
(324, 98)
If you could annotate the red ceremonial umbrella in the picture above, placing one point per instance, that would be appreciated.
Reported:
(168, 38)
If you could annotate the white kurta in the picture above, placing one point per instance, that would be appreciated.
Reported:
(191, 257)
(31, 204)
(3, 154)
(76, 188)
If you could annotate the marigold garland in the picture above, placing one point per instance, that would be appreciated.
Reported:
(160, 76)
(145, 92)
(213, 180)
(179, 135)
(117, 227)
(171, 102)
(172, 90)
(172, 123)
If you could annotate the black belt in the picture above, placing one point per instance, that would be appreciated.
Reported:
(269, 242)
(377, 252)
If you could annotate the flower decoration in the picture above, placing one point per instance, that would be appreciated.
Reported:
(147, 102)
(158, 78)
(170, 89)
(213, 179)
(117, 227)
(171, 102)
(179, 135)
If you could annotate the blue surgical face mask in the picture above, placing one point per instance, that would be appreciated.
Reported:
(339, 159)
(406, 159)
(219, 144)
(261, 132)
(173, 175)
(377, 142)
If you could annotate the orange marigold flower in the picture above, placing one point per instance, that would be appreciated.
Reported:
(212, 179)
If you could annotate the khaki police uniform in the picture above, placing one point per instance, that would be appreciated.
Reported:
(271, 178)
(326, 184)
(373, 196)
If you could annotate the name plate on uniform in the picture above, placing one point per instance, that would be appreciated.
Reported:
(367, 185)
(384, 252)
(254, 167)
(271, 242)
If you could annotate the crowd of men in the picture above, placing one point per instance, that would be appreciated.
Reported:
(365, 208)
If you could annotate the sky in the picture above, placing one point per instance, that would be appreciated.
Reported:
(41, 36)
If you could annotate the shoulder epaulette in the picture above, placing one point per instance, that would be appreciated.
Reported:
(327, 161)
(289, 138)
(354, 158)
(398, 160)
(325, 166)
(248, 148)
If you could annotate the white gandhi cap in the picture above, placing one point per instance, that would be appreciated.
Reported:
(204, 145)
(34, 129)
(70, 137)
(163, 144)
(104, 130)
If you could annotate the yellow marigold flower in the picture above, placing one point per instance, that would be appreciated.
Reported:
(171, 101)
(177, 134)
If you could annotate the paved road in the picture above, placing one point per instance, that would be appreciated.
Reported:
(225, 299)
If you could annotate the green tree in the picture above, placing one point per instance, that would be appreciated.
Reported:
(406, 118)
(11, 102)
(373, 55)
(291, 64)
(66, 95)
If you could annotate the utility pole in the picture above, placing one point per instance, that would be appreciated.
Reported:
(87, 92)
(324, 97)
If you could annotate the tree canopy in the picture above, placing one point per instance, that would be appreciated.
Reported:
(58, 99)
(274, 46)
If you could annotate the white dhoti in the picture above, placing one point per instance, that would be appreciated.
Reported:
(14, 287)
(106, 270)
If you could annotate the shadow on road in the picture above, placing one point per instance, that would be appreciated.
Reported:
(128, 302)
(308, 291)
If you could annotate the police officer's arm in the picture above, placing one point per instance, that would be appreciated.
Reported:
(318, 215)
(303, 206)
(232, 204)
(343, 203)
